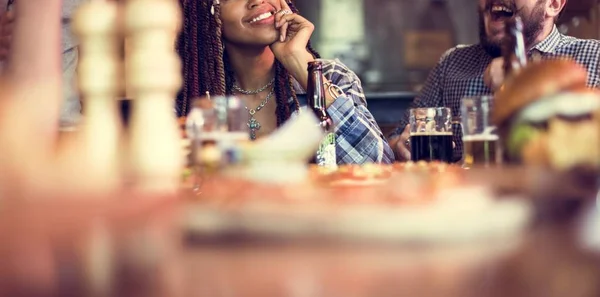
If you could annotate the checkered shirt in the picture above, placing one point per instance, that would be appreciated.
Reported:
(359, 139)
(459, 74)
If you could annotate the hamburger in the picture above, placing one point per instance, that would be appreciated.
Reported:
(546, 116)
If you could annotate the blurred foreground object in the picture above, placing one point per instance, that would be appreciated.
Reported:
(97, 25)
(153, 74)
(30, 91)
(547, 117)
(69, 223)
(513, 48)
(36, 70)
(424, 231)
(282, 157)
(400, 204)
(218, 132)
(126, 245)
(371, 230)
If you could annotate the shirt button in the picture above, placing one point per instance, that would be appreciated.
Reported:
(536, 56)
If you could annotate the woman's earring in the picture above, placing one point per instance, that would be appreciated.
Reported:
(212, 8)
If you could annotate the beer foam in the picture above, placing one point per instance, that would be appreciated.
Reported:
(434, 133)
(480, 137)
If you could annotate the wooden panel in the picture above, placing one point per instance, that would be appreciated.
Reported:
(422, 49)
(581, 19)
(578, 7)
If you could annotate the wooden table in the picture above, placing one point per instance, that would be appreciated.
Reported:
(64, 248)
(548, 262)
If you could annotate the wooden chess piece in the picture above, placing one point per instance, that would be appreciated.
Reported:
(94, 156)
(153, 76)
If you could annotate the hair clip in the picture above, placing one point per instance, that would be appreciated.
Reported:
(212, 8)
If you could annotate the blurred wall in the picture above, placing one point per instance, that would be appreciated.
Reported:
(392, 44)
(377, 52)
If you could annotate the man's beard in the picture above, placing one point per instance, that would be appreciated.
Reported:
(533, 24)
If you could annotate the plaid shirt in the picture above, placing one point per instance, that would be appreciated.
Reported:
(359, 139)
(459, 74)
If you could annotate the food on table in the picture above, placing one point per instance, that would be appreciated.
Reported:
(352, 174)
(370, 183)
(371, 173)
(547, 117)
(414, 202)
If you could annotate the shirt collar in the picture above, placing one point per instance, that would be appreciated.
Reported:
(551, 42)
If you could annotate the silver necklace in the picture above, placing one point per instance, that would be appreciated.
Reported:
(254, 92)
(253, 124)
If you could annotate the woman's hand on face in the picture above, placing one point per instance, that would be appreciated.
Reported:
(290, 48)
(6, 26)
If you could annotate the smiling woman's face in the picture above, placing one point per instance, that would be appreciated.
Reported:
(249, 22)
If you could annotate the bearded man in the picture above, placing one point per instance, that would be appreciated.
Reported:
(477, 70)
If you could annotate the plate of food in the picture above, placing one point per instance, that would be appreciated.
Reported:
(399, 203)
(371, 174)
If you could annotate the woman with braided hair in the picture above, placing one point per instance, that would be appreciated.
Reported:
(259, 50)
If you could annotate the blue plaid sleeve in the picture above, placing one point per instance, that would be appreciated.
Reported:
(359, 138)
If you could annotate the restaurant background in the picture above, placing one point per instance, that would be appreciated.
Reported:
(392, 44)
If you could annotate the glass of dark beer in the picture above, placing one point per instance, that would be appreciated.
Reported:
(431, 134)
(481, 145)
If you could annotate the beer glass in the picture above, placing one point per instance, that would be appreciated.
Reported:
(217, 120)
(481, 146)
(431, 134)
(234, 117)
(216, 127)
(201, 122)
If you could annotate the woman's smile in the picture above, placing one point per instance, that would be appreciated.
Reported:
(266, 18)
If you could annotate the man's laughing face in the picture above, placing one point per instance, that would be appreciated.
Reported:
(494, 13)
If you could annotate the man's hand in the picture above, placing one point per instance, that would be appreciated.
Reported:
(6, 28)
(494, 74)
(400, 145)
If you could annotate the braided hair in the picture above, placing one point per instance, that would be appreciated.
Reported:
(206, 67)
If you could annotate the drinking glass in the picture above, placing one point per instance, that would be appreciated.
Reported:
(234, 118)
(431, 134)
(216, 128)
(200, 123)
(481, 145)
